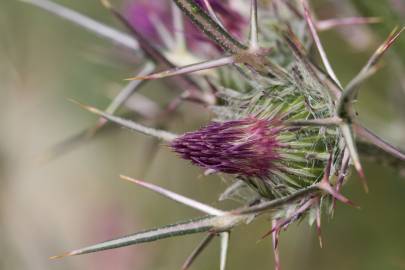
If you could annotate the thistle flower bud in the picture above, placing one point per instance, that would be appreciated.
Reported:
(247, 147)
(285, 130)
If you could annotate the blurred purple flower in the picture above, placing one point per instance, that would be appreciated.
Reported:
(140, 14)
(246, 147)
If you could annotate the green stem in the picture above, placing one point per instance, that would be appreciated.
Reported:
(211, 28)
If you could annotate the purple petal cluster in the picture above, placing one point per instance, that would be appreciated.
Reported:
(246, 147)
(140, 12)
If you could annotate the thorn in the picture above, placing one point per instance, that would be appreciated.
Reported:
(342, 174)
(209, 172)
(254, 27)
(318, 224)
(363, 179)
(86, 107)
(87, 23)
(328, 24)
(394, 35)
(187, 69)
(67, 254)
(351, 146)
(197, 251)
(176, 197)
(318, 43)
(275, 227)
(224, 249)
(159, 134)
(106, 4)
(276, 234)
(293, 216)
(369, 136)
(212, 12)
(325, 185)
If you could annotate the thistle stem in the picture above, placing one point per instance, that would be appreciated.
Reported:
(210, 27)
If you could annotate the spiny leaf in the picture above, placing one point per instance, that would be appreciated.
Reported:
(182, 228)
(213, 224)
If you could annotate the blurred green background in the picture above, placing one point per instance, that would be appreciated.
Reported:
(78, 199)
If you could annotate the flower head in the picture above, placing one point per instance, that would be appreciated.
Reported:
(248, 146)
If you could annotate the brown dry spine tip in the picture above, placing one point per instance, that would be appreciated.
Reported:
(248, 146)
(67, 254)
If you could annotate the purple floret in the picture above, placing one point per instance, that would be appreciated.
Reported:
(246, 147)
(140, 12)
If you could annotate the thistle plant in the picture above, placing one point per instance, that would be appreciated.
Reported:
(284, 129)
